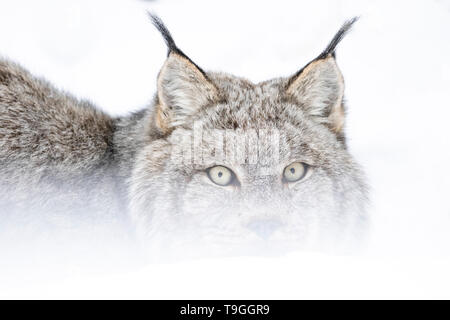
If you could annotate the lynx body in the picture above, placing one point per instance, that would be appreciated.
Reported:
(216, 161)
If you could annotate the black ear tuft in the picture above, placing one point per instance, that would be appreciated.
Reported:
(330, 49)
(157, 22)
(171, 46)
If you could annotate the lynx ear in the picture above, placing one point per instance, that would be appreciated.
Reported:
(183, 87)
(182, 90)
(319, 87)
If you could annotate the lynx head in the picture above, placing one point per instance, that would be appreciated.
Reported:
(239, 166)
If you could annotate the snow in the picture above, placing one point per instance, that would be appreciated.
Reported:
(397, 73)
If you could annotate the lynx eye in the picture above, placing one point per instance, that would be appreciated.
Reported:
(294, 172)
(220, 175)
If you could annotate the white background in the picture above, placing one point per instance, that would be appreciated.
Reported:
(397, 72)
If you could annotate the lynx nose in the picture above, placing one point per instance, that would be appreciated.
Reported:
(264, 228)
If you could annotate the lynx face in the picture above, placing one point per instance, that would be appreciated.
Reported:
(243, 167)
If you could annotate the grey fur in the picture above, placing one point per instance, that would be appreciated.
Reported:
(62, 157)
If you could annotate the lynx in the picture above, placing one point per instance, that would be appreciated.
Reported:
(215, 161)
